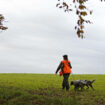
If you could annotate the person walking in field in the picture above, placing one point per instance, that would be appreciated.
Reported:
(65, 70)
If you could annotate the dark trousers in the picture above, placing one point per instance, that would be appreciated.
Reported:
(65, 83)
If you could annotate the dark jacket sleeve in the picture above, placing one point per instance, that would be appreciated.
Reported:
(59, 67)
(70, 65)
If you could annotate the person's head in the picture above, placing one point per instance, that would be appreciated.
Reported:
(65, 57)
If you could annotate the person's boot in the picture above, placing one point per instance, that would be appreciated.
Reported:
(63, 88)
(67, 88)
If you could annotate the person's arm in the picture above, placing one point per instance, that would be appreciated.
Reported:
(58, 67)
(70, 65)
(62, 66)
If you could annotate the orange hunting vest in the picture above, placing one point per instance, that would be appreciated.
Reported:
(66, 68)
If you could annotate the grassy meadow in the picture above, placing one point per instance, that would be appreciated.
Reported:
(45, 89)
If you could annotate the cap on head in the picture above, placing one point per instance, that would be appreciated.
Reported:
(65, 56)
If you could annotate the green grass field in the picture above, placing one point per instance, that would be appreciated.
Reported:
(45, 89)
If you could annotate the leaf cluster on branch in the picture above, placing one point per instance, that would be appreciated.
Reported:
(80, 10)
(1, 23)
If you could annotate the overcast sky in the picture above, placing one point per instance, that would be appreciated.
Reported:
(39, 34)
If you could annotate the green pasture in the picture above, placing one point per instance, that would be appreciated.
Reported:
(45, 89)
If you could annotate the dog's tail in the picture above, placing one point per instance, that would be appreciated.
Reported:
(93, 80)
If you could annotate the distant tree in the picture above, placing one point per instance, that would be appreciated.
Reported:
(2, 27)
(81, 11)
